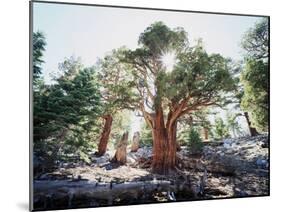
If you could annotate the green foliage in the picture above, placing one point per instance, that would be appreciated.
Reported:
(233, 125)
(256, 93)
(221, 130)
(65, 112)
(116, 83)
(121, 123)
(195, 143)
(159, 39)
(255, 75)
(145, 135)
(255, 41)
(198, 73)
(197, 77)
(183, 134)
(39, 43)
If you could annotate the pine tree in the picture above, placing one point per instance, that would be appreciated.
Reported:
(255, 75)
(39, 43)
(66, 111)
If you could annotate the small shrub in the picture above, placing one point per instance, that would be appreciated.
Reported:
(146, 142)
(221, 130)
(195, 143)
(146, 136)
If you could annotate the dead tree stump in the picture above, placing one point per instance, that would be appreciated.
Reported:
(136, 142)
(120, 156)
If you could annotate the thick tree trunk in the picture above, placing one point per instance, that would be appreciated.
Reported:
(253, 131)
(159, 143)
(121, 151)
(172, 145)
(164, 145)
(105, 135)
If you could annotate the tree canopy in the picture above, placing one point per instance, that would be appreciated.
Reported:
(65, 112)
(116, 84)
(255, 75)
(196, 80)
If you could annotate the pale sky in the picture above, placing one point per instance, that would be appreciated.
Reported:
(89, 32)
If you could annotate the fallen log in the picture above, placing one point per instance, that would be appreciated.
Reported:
(102, 191)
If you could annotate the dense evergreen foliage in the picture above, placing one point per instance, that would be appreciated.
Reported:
(255, 76)
(146, 135)
(195, 143)
(39, 43)
(220, 129)
(233, 125)
(65, 112)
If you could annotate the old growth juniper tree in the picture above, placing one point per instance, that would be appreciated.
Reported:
(173, 79)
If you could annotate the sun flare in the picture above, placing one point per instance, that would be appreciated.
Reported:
(169, 60)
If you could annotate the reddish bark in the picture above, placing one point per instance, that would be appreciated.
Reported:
(164, 145)
(172, 145)
(178, 146)
(105, 135)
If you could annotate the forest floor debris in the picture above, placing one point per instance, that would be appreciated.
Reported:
(232, 168)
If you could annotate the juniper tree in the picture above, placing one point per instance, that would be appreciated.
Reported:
(193, 81)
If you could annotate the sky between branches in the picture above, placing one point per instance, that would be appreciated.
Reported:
(90, 32)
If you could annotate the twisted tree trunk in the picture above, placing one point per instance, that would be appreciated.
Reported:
(164, 145)
(105, 135)
(172, 145)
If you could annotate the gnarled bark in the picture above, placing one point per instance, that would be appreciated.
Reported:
(136, 142)
(172, 145)
(121, 151)
(164, 145)
(105, 135)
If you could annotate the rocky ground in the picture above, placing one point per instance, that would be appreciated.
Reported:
(229, 168)
(235, 167)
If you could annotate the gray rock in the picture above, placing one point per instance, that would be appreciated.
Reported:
(262, 163)
(221, 154)
(108, 166)
(101, 160)
(227, 143)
